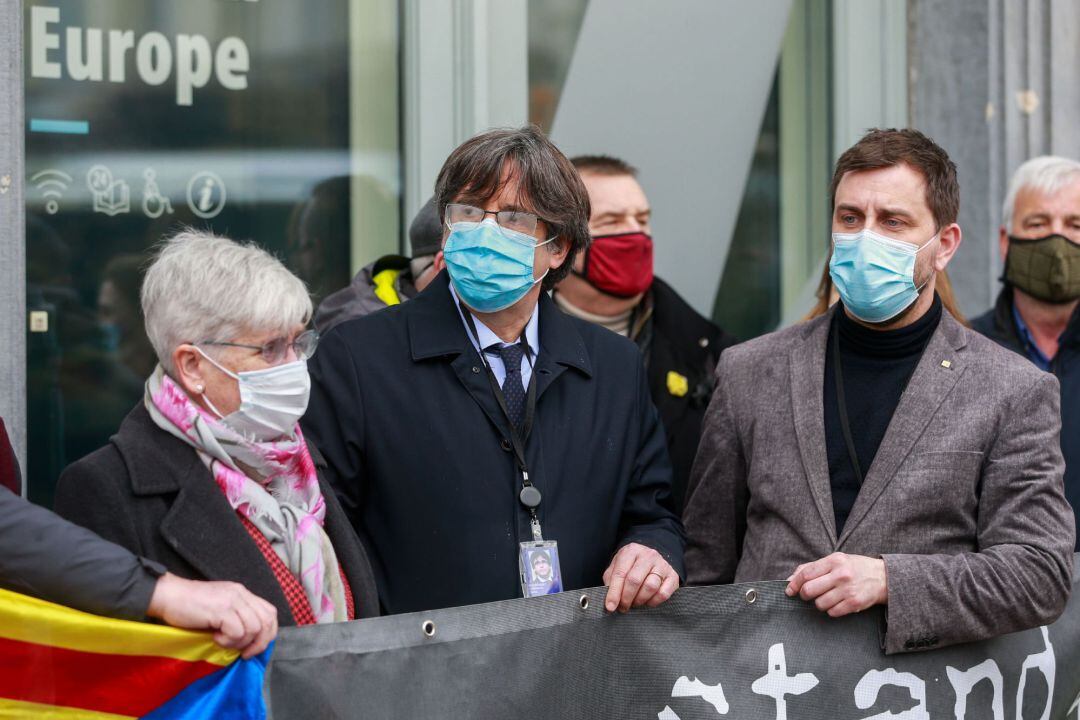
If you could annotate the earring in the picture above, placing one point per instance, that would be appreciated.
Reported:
(199, 389)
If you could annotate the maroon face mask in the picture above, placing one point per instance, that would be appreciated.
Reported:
(620, 265)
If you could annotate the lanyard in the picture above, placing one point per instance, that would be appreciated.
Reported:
(841, 400)
(529, 495)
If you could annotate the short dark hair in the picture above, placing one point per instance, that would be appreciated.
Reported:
(885, 148)
(548, 184)
(603, 165)
(539, 555)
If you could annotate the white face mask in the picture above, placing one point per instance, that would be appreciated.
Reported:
(272, 401)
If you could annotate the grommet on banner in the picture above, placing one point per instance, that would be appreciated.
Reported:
(751, 596)
(428, 627)
(584, 602)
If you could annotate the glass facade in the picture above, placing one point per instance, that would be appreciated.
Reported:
(282, 123)
(553, 32)
(244, 118)
(748, 301)
(781, 230)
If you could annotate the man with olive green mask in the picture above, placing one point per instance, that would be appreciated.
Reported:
(1037, 313)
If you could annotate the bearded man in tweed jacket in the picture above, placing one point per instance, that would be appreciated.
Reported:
(884, 454)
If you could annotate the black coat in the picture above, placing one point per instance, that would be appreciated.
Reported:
(679, 340)
(417, 447)
(998, 325)
(151, 493)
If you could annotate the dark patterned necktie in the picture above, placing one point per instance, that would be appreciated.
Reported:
(513, 389)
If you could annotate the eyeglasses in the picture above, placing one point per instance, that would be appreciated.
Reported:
(277, 349)
(516, 220)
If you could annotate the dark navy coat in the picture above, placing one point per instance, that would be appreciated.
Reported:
(417, 449)
(998, 325)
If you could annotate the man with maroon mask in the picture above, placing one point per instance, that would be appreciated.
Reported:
(612, 285)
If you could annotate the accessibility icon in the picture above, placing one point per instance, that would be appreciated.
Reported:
(154, 204)
(111, 197)
(206, 194)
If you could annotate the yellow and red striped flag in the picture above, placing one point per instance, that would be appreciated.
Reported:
(60, 663)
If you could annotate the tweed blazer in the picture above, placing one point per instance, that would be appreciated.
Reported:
(964, 500)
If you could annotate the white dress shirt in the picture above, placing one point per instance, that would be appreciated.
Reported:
(488, 338)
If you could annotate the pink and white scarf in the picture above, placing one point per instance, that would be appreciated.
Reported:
(273, 484)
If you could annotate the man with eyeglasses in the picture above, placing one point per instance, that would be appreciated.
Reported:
(478, 420)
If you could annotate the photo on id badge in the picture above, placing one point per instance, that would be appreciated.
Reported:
(540, 571)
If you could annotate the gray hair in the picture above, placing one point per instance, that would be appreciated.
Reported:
(204, 287)
(1047, 174)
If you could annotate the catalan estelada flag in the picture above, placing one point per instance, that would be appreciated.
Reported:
(57, 663)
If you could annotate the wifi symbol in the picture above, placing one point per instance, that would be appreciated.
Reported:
(52, 184)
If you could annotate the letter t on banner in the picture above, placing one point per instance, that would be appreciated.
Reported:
(777, 684)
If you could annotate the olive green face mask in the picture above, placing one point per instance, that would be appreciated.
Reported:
(1047, 269)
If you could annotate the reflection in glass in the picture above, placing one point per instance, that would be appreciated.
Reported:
(554, 26)
(267, 160)
(748, 302)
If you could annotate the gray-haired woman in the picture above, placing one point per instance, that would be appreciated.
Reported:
(210, 474)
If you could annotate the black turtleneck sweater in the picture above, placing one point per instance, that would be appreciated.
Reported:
(876, 366)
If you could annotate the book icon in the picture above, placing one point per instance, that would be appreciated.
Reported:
(111, 197)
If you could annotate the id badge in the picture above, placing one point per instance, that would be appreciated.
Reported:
(541, 573)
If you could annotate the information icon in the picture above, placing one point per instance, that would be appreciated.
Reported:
(206, 194)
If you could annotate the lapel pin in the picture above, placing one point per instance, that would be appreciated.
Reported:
(946, 364)
(678, 385)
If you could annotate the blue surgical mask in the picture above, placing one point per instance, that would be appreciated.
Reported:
(491, 267)
(874, 274)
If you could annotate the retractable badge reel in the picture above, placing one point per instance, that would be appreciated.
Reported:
(538, 560)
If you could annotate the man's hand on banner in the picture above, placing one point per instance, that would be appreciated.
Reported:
(241, 620)
(637, 576)
(841, 584)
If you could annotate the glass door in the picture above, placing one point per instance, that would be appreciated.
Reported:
(269, 121)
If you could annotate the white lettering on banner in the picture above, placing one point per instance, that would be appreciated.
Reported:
(712, 694)
(1046, 663)
(964, 682)
(194, 59)
(867, 689)
(777, 684)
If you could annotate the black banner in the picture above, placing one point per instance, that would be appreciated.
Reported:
(742, 651)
